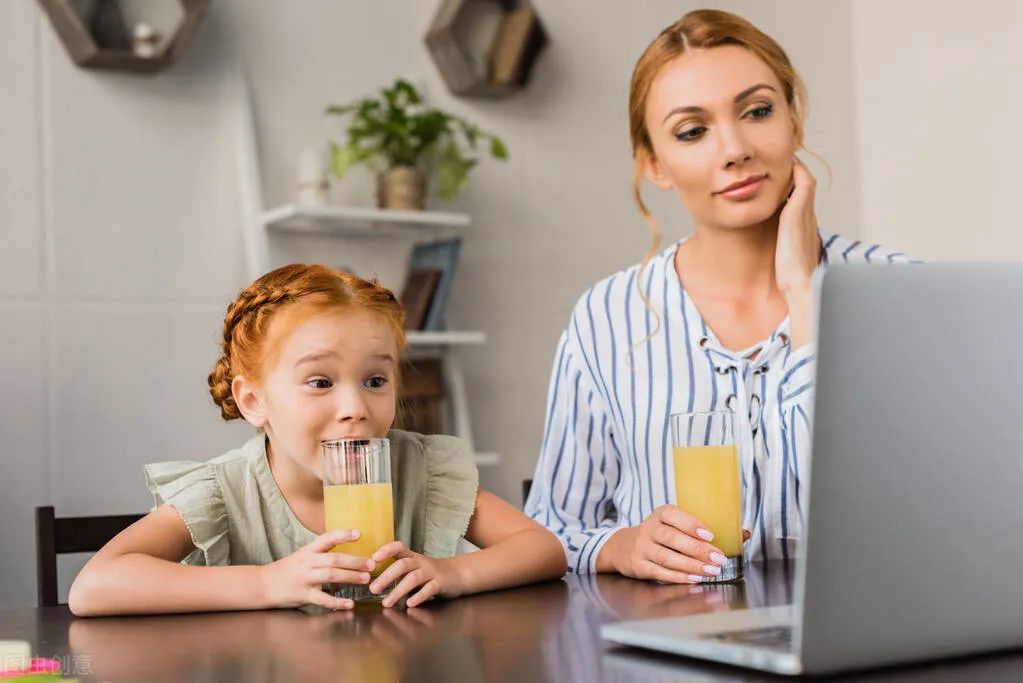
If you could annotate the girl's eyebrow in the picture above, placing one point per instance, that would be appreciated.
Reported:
(738, 98)
(315, 356)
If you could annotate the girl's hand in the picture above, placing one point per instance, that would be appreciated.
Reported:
(298, 579)
(798, 252)
(433, 577)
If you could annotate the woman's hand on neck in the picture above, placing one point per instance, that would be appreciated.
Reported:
(798, 253)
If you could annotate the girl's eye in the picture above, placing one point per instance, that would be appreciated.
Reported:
(376, 382)
(761, 111)
(690, 134)
(319, 383)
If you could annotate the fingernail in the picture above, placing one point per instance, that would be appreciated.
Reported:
(347, 604)
(694, 578)
(719, 558)
(704, 534)
(712, 569)
(696, 590)
(364, 578)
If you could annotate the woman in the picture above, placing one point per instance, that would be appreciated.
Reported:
(722, 319)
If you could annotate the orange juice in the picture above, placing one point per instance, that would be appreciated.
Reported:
(366, 507)
(707, 484)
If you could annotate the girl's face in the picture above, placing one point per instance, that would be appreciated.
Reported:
(723, 136)
(333, 376)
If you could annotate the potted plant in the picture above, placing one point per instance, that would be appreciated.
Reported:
(402, 139)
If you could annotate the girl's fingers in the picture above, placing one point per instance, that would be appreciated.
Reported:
(316, 596)
(395, 549)
(325, 542)
(343, 561)
(392, 574)
(429, 590)
(412, 579)
(332, 575)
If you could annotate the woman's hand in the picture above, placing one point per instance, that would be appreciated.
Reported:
(298, 579)
(431, 576)
(798, 252)
(670, 546)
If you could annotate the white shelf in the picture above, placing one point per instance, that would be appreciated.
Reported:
(486, 459)
(446, 338)
(357, 221)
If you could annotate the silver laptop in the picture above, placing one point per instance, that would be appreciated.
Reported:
(913, 537)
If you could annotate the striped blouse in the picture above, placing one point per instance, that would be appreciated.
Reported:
(605, 460)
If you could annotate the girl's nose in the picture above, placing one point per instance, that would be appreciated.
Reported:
(352, 407)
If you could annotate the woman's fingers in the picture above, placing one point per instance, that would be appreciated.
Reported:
(674, 516)
(659, 573)
(672, 538)
(664, 556)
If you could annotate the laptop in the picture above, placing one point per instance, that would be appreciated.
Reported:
(912, 546)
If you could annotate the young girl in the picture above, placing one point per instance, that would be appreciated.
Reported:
(309, 355)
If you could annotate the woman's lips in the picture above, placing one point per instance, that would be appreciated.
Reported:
(744, 189)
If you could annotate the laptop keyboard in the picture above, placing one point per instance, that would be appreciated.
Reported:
(771, 637)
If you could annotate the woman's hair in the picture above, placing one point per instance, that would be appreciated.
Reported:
(700, 29)
(246, 346)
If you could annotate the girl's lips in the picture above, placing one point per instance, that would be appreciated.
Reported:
(745, 190)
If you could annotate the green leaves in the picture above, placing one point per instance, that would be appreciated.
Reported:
(396, 128)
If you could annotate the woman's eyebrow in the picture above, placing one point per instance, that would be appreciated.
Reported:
(692, 109)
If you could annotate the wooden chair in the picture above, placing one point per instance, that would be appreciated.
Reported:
(57, 536)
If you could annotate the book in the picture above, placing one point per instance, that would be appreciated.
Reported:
(421, 397)
(441, 255)
(417, 295)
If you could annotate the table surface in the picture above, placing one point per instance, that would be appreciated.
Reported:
(545, 632)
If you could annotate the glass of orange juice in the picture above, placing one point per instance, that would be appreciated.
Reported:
(357, 495)
(707, 481)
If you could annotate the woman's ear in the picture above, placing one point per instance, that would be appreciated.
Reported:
(250, 402)
(653, 171)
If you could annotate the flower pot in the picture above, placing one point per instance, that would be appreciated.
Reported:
(401, 187)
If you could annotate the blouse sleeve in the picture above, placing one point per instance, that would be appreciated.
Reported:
(192, 489)
(573, 484)
(452, 482)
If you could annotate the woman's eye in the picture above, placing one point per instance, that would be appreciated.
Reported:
(377, 382)
(319, 383)
(761, 112)
(690, 134)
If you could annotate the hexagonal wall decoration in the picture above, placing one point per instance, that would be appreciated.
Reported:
(97, 34)
(485, 48)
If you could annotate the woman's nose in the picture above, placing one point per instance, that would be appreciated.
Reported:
(735, 148)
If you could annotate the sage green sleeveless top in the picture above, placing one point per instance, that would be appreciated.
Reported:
(236, 513)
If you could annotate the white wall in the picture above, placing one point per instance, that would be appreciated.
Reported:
(120, 221)
(938, 94)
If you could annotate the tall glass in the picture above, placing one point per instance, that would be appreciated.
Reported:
(707, 481)
(357, 495)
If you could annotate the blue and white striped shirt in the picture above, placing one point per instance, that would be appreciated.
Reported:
(605, 462)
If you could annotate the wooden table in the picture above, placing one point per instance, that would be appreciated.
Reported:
(547, 632)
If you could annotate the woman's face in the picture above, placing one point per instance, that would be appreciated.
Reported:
(333, 376)
(723, 136)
